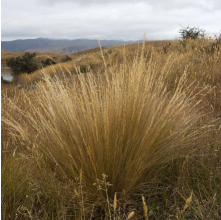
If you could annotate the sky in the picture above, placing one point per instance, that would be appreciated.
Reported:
(107, 19)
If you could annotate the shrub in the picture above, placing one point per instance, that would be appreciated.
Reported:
(23, 64)
(192, 33)
(48, 62)
(66, 59)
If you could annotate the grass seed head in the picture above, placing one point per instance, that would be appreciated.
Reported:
(188, 201)
(145, 208)
(115, 201)
(131, 214)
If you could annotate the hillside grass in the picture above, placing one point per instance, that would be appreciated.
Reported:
(128, 132)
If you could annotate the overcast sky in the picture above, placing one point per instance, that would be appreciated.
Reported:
(106, 19)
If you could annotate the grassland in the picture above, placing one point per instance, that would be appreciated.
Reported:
(128, 132)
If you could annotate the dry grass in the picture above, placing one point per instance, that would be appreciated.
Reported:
(121, 129)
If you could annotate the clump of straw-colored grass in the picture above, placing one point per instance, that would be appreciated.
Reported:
(127, 123)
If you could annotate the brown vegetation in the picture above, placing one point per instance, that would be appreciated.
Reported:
(126, 133)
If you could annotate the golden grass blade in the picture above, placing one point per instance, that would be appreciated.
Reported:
(145, 208)
(188, 201)
(115, 201)
(131, 214)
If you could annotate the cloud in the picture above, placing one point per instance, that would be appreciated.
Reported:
(87, 2)
(106, 19)
(163, 4)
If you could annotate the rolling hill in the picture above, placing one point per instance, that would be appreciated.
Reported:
(56, 46)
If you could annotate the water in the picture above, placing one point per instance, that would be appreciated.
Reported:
(6, 73)
(7, 77)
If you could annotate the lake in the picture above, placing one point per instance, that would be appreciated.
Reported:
(6, 73)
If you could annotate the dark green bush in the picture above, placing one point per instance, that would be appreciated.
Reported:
(66, 59)
(192, 33)
(48, 62)
(22, 64)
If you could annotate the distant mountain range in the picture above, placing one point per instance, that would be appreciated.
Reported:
(56, 46)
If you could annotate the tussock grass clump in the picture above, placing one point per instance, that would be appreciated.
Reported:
(125, 123)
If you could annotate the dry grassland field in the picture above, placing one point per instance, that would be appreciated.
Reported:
(124, 132)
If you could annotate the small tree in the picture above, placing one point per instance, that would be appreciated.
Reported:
(23, 64)
(192, 33)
